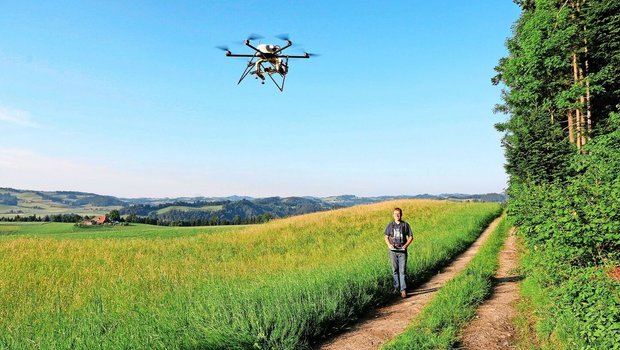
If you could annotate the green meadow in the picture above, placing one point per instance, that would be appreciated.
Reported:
(284, 284)
(68, 231)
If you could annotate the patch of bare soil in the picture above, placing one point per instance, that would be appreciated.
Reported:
(615, 273)
(384, 323)
(493, 328)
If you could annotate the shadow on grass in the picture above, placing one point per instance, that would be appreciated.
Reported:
(507, 279)
(423, 291)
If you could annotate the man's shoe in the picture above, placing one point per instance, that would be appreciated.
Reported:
(403, 294)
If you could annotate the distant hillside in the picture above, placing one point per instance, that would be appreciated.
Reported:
(228, 210)
(350, 200)
(40, 203)
(168, 200)
(197, 210)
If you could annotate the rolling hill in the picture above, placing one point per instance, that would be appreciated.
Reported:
(212, 210)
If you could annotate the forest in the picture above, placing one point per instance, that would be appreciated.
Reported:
(561, 95)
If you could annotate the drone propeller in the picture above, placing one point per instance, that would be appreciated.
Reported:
(223, 48)
(284, 37)
(312, 54)
(254, 36)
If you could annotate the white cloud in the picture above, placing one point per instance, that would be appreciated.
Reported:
(17, 117)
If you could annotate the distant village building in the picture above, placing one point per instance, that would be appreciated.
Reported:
(96, 220)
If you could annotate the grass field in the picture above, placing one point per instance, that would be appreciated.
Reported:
(278, 285)
(70, 231)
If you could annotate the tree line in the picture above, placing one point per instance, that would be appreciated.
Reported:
(146, 209)
(562, 96)
(153, 220)
(562, 147)
(196, 219)
(74, 218)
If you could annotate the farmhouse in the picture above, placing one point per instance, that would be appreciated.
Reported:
(96, 220)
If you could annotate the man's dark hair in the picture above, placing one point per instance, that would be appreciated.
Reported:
(399, 210)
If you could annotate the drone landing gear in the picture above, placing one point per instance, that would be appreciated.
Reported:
(248, 70)
(281, 85)
(261, 71)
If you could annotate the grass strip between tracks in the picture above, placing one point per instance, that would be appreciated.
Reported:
(440, 323)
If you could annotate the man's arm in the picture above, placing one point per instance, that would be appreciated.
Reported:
(409, 240)
(409, 237)
(387, 241)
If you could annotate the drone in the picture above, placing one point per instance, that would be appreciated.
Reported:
(267, 61)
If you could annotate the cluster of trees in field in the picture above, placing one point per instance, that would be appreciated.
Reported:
(562, 144)
(198, 218)
(44, 218)
(132, 218)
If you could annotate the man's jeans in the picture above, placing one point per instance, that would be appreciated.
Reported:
(399, 264)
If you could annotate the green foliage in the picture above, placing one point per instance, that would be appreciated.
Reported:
(536, 149)
(603, 37)
(566, 203)
(576, 307)
(573, 232)
(540, 85)
(536, 73)
(578, 221)
(593, 299)
(114, 215)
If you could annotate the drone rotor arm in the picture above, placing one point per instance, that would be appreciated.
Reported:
(247, 43)
(288, 44)
(289, 56)
(238, 55)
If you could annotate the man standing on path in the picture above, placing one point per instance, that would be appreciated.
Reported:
(398, 236)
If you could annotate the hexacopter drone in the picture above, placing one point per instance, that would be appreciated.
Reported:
(268, 60)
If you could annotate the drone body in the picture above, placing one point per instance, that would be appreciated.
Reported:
(267, 60)
(267, 49)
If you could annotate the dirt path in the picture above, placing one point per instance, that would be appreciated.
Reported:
(384, 323)
(492, 328)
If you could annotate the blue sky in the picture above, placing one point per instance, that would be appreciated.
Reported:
(132, 99)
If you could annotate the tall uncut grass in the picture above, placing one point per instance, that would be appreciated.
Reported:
(279, 285)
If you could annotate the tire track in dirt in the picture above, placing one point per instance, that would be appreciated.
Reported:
(492, 328)
(384, 323)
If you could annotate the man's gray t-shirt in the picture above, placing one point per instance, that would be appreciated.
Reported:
(397, 234)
